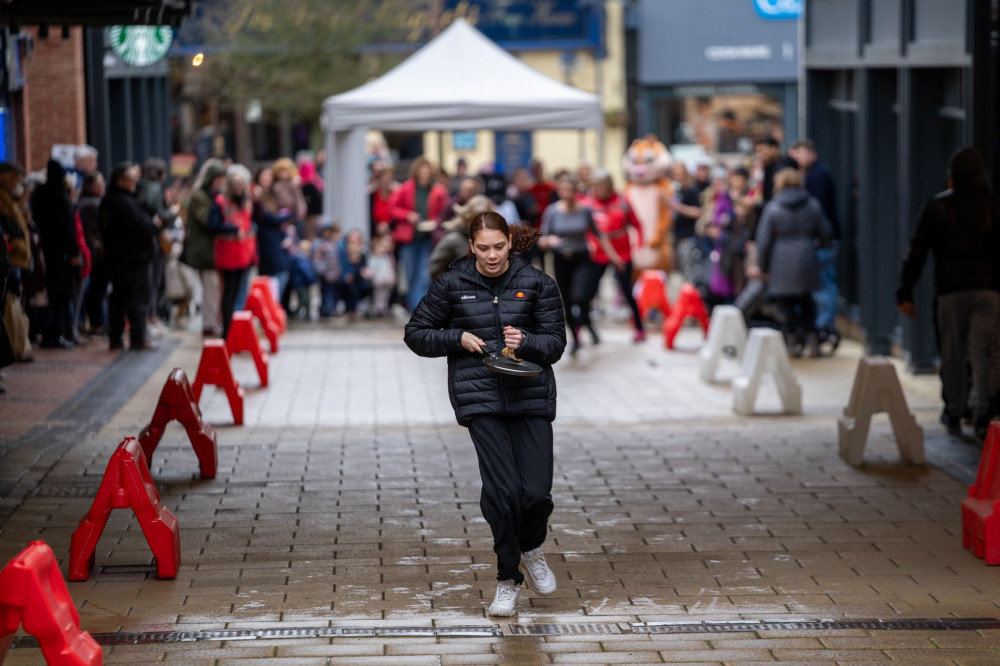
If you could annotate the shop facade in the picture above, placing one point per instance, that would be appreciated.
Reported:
(892, 88)
(710, 76)
(63, 85)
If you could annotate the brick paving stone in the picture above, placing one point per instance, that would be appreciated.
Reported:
(716, 656)
(609, 658)
(289, 661)
(469, 659)
(817, 662)
(843, 655)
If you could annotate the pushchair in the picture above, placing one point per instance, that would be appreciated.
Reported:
(760, 311)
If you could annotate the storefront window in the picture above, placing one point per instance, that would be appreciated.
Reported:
(718, 120)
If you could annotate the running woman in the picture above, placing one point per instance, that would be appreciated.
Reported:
(489, 300)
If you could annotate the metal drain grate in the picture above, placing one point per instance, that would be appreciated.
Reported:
(580, 628)
(147, 637)
(563, 629)
(914, 624)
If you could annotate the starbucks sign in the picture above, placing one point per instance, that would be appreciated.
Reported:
(140, 45)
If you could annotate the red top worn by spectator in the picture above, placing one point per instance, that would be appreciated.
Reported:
(81, 240)
(236, 246)
(381, 208)
(404, 200)
(613, 216)
(544, 194)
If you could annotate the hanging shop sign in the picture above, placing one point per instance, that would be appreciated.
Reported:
(535, 24)
(513, 151)
(140, 45)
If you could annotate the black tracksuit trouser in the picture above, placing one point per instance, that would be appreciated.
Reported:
(515, 463)
(129, 298)
(573, 274)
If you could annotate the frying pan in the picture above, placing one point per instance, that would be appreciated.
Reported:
(509, 364)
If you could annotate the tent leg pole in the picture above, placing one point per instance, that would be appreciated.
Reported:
(329, 174)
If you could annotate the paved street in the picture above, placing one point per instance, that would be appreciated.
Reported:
(345, 513)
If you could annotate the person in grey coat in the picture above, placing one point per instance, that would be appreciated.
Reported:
(455, 244)
(791, 228)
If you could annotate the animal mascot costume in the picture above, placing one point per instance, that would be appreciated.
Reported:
(649, 192)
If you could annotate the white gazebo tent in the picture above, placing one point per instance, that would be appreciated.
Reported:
(458, 81)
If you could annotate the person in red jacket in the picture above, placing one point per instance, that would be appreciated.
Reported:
(72, 330)
(380, 204)
(543, 190)
(613, 216)
(231, 220)
(416, 206)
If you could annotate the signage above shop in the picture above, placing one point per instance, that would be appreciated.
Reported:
(738, 52)
(531, 23)
(140, 45)
(681, 42)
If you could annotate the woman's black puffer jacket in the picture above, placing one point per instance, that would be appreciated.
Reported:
(459, 301)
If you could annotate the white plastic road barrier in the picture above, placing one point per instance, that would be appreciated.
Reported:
(725, 330)
(876, 389)
(766, 355)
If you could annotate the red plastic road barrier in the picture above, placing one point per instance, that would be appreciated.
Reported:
(243, 337)
(689, 304)
(981, 509)
(177, 403)
(127, 484)
(33, 593)
(215, 370)
(652, 294)
(257, 306)
(263, 283)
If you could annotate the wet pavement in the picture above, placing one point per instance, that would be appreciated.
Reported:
(36, 390)
(344, 524)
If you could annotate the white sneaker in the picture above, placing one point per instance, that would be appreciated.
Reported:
(505, 599)
(543, 581)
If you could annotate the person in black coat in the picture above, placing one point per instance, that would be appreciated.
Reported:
(772, 160)
(152, 197)
(127, 231)
(272, 223)
(960, 228)
(53, 213)
(819, 182)
(487, 301)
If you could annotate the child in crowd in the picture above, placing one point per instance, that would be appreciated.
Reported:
(302, 276)
(178, 278)
(356, 276)
(326, 262)
(383, 271)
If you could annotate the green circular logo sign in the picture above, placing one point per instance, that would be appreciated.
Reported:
(140, 45)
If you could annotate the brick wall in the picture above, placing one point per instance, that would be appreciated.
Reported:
(55, 101)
